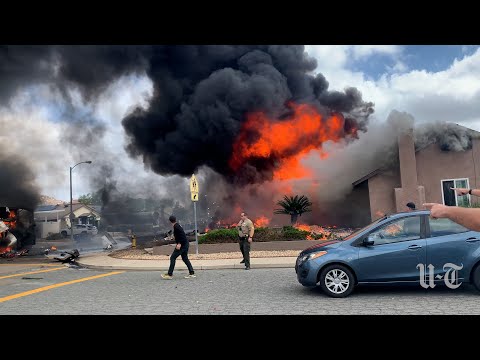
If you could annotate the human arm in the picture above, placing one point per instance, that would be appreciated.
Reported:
(177, 237)
(465, 191)
(251, 231)
(467, 217)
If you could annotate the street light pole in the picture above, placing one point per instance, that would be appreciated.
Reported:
(71, 198)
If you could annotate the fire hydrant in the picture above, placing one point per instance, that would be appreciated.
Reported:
(134, 241)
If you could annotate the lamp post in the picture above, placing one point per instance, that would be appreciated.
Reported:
(71, 198)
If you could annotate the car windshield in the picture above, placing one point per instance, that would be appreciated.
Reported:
(364, 228)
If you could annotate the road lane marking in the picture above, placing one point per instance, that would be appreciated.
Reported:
(45, 288)
(28, 264)
(32, 272)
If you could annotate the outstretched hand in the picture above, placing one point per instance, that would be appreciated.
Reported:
(460, 191)
(436, 210)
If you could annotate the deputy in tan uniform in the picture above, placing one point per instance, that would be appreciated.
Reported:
(245, 237)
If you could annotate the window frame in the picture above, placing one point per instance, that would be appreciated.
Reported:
(456, 196)
(423, 230)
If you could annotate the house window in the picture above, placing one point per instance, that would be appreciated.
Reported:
(450, 197)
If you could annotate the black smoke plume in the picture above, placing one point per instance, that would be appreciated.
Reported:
(202, 94)
(17, 184)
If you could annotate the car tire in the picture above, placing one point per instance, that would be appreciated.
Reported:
(337, 281)
(476, 277)
(64, 234)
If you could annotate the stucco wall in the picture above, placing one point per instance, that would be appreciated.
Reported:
(433, 165)
(382, 195)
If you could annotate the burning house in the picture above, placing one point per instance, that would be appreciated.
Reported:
(429, 162)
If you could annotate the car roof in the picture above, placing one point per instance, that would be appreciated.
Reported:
(407, 213)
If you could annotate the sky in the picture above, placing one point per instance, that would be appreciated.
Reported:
(429, 82)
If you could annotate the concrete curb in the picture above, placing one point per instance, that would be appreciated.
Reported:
(105, 262)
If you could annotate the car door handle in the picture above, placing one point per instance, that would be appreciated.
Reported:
(414, 247)
(472, 239)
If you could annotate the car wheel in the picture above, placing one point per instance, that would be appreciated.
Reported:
(64, 234)
(337, 281)
(476, 277)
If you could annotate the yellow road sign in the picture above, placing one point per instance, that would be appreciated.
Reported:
(193, 185)
(194, 196)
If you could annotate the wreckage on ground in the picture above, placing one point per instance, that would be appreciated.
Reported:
(68, 256)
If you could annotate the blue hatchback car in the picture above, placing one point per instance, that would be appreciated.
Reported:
(403, 248)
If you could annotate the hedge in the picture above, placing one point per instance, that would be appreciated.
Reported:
(261, 234)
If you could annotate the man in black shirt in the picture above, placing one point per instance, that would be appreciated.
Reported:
(181, 249)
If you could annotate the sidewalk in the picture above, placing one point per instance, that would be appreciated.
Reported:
(103, 261)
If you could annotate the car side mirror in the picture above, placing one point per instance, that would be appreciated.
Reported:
(369, 241)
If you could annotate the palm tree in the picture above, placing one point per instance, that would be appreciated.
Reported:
(293, 206)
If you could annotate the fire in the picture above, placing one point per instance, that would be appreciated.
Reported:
(11, 222)
(303, 227)
(286, 142)
(314, 230)
(262, 221)
(393, 229)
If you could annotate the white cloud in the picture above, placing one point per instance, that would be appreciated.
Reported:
(364, 51)
(449, 95)
(398, 67)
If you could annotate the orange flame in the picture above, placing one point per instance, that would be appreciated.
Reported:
(11, 222)
(302, 227)
(285, 142)
(393, 229)
(314, 229)
(262, 221)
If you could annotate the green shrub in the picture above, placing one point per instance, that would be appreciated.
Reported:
(219, 236)
(291, 233)
(261, 234)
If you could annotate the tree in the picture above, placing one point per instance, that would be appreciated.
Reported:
(86, 199)
(294, 206)
(90, 199)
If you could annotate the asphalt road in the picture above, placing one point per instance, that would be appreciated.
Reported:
(51, 288)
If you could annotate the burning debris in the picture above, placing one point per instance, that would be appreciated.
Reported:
(324, 232)
(6, 234)
(9, 231)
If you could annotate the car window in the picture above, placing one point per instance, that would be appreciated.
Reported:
(364, 228)
(444, 226)
(401, 230)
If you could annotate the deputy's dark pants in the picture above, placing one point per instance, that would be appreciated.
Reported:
(184, 253)
(245, 249)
